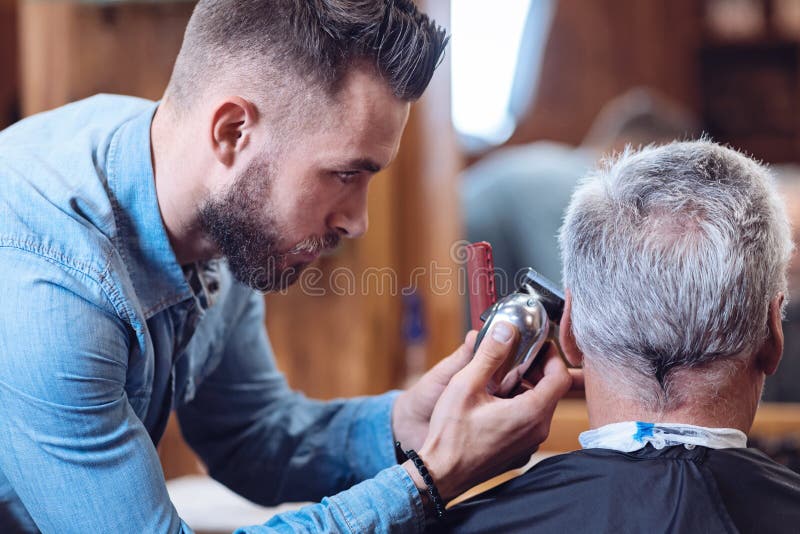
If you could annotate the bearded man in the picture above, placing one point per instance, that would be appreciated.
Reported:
(130, 231)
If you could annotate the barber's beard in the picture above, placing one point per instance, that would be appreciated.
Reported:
(244, 229)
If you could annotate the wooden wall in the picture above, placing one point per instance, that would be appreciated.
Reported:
(431, 221)
(598, 49)
(70, 50)
(9, 82)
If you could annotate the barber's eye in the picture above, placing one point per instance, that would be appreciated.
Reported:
(347, 177)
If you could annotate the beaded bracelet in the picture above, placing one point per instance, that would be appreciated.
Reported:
(433, 492)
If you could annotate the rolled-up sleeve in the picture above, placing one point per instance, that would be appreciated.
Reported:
(389, 502)
(272, 444)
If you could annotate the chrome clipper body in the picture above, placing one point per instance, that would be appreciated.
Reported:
(535, 309)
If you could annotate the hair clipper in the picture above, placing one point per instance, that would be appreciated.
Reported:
(535, 309)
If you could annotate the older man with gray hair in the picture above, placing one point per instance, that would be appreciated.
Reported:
(674, 264)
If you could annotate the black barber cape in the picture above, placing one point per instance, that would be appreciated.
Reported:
(647, 491)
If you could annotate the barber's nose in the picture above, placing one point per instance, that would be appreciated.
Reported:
(351, 221)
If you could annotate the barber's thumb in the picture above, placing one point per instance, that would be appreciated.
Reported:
(494, 349)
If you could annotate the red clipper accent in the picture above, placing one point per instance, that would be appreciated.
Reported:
(480, 281)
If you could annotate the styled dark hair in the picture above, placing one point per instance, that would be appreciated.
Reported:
(317, 40)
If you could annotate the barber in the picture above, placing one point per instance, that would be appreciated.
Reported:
(136, 239)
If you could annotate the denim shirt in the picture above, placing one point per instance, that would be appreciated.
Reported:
(103, 333)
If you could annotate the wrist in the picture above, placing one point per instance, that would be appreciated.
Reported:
(441, 472)
(422, 488)
(432, 501)
(401, 422)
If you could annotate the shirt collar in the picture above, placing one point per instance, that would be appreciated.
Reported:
(631, 436)
(157, 277)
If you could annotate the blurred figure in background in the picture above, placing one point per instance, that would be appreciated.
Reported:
(515, 197)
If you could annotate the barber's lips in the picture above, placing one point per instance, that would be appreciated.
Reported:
(307, 257)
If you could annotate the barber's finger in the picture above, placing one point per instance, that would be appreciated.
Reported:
(536, 371)
(553, 362)
(470, 338)
(465, 352)
(577, 390)
(493, 350)
(553, 386)
(452, 364)
(577, 379)
(443, 371)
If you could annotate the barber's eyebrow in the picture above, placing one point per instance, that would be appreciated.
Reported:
(363, 164)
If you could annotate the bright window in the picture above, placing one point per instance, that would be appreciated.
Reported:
(486, 38)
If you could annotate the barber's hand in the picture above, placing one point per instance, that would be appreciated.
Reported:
(412, 410)
(474, 435)
(536, 373)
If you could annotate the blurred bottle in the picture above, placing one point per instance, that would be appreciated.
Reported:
(414, 337)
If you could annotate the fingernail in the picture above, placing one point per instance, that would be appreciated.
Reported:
(502, 332)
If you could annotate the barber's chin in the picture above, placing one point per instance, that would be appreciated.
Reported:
(291, 273)
(302, 259)
(292, 266)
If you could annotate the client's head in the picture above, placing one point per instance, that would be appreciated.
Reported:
(675, 265)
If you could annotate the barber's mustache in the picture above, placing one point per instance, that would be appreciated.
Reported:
(316, 244)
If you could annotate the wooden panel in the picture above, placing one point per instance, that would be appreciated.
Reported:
(775, 420)
(9, 79)
(72, 50)
(430, 218)
(599, 49)
(750, 97)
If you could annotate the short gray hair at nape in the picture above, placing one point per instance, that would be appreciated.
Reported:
(672, 254)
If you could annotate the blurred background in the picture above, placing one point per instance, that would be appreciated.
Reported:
(530, 95)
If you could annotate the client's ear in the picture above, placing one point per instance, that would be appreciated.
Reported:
(565, 336)
(769, 355)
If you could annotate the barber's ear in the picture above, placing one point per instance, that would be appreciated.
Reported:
(232, 123)
(565, 336)
(769, 356)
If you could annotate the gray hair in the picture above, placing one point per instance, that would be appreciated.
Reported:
(672, 255)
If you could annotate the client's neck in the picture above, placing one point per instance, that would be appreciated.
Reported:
(692, 399)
